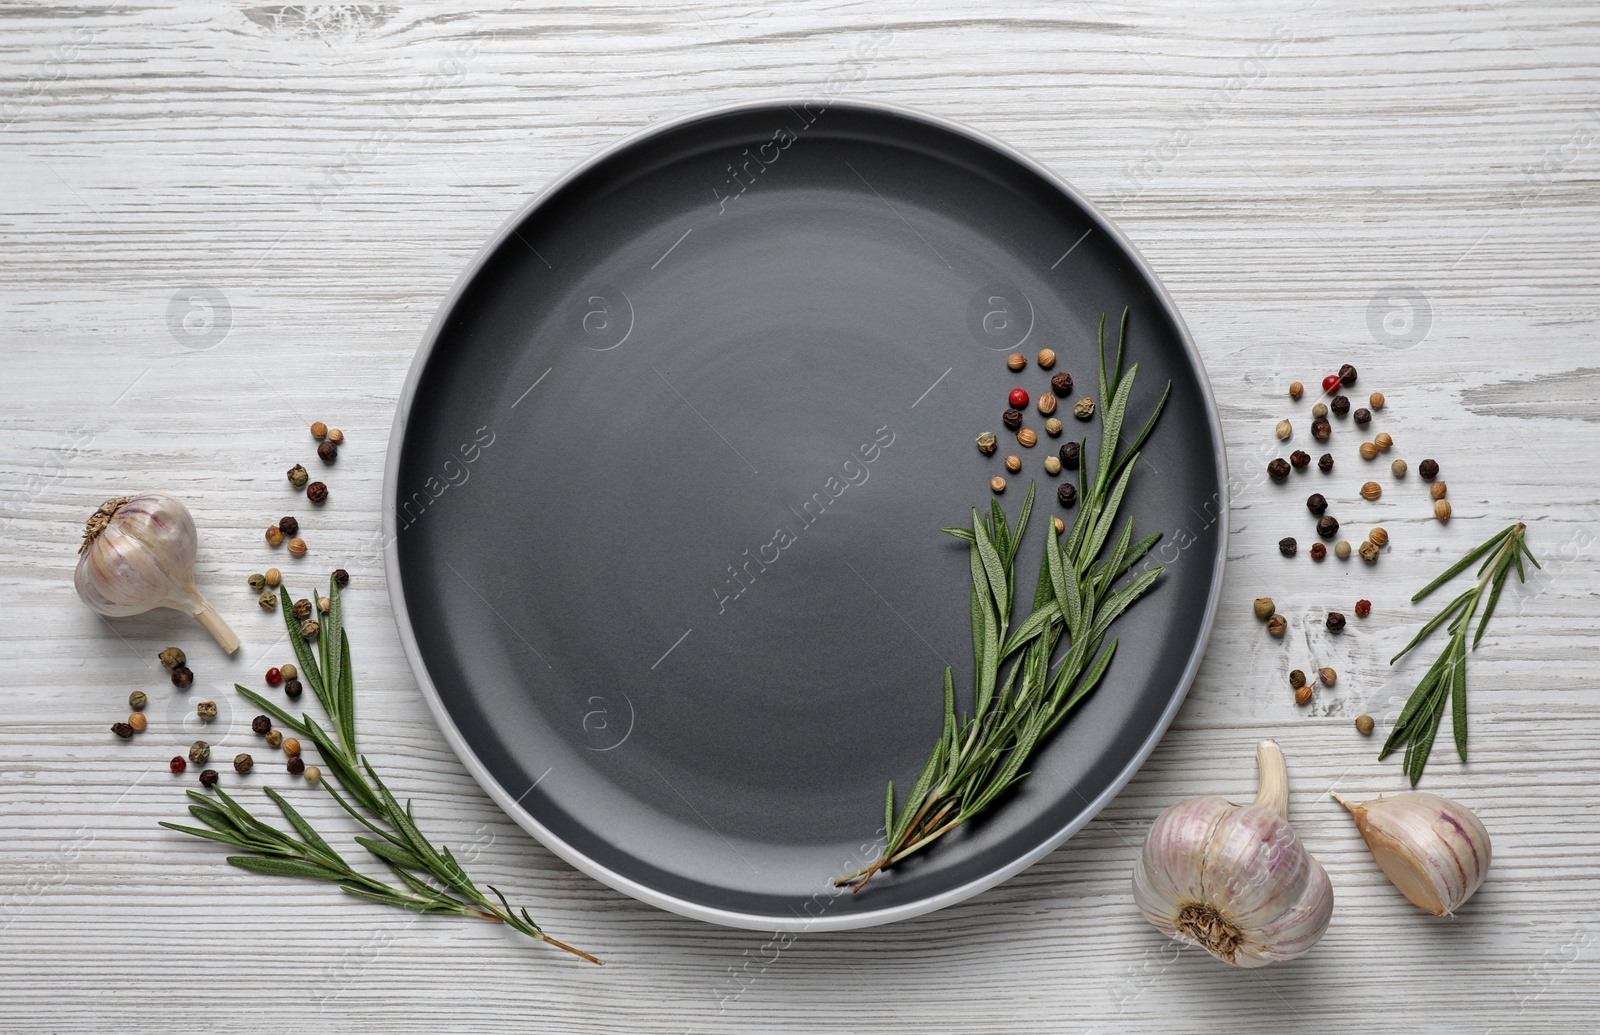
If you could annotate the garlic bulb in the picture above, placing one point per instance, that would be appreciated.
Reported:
(1234, 879)
(1431, 848)
(137, 555)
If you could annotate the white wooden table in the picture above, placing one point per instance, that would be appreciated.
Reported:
(321, 174)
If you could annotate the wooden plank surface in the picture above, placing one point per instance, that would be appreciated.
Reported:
(1298, 175)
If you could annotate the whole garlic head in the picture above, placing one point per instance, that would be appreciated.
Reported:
(1235, 879)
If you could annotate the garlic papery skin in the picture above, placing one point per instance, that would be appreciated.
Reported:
(1431, 848)
(1235, 879)
(138, 554)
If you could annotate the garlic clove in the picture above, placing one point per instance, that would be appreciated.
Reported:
(1434, 850)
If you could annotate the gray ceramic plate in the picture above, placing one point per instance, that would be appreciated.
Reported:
(663, 501)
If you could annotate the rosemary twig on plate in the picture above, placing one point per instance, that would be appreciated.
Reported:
(978, 757)
(1445, 683)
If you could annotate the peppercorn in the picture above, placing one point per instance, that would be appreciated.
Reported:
(302, 608)
(260, 725)
(1340, 406)
(1368, 451)
(1429, 469)
(1371, 491)
(987, 443)
(317, 492)
(296, 766)
(1378, 537)
(1316, 503)
(208, 777)
(1052, 427)
(1047, 404)
(1364, 725)
(1438, 489)
(1018, 398)
(288, 671)
(1441, 510)
(242, 763)
(308, 629)
(268, 600)
(1376, 400)
(1327, 526)
(1330, 383)
(1341, 549)
(1302, 695)
(297, 547)
(1067, 494)
(177, 765)
(292, 688)
(1061, 383)
(1052, 465)
(207, 710)
(122, 730)
(1047, 358)
(1321, 429)
(1318, 551)
(1060, 525)
(1016, 361)
(1083, 409)
(1363, 416)
(1383, 440)
(172, 657)
(1069, 455)
(1284, 429)
(1297, 679)
(1277, 625)
(289, 525)
(273, 738)
(1335, 621)
(1265, 608)
(1369, 551)
(313, 774)
(1325, 463)
(342, 577)
(1363, 607)
(1012, 418)
(1347, 375)
(298, 476)
(1013, 463)
(1027, 439)
(182, 678)
(1299, 459)
(319, 430)
(274, 576)
(137, 700)
(1398, 468)
(1279, 469)
(997, 484)
(1296, 389)
(274, 538)
(1319, 410)
(274, 676)
(1287, 546)
(199, 751)
(257, 582)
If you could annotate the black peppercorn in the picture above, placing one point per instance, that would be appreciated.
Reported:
(1347, 375)
(1012, 418)
(302, 609)
(1429, 469)
(1335, 621)
(1325, 463)
(1279, 469)
(1321, 429)
(1327, 526)
(328, 451)
(296, 765)
(1287, 546)
(1316, 503)
(1362, 416)
(292, 688)
(1300, 458)
(317, 492)
(289, 526)
(182, 677)
(122, 730)
(342, 577)
(1340, 405)
(1069, 455)
(243, 763)
(260, 725)
(1297, 679)
(1061, 383)
(208, 777)
(1067, 494)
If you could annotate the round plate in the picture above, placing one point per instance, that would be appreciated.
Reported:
(664, 496)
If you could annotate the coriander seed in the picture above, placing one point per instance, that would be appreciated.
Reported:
(182, 678)
(1327, 676)
(1302, 696)
(297, 547)
(1264, 608)
(313, 774)
(274, 537)
(1061, 383)
(207, 710)
(1325, 463)
(291, 746)
(1047, 358)
(1012, 418)
(1052, 465)
(1327, 526)
(298, 476)
(199, 751)
(1083, 409)
(1060, 525)
(342, 577)
(1027, 439)
(289, 525)
(319, 430)
(1069, 455)
(1285, 429)
(1335, 621)
(1278, 469)
(1067, 494)
(1317, 503)
(138, 722)
(1341, 549)
(1368, 451)
(1296, 389)
(1297, 679)
(1441, 509)
(257, 582)
(242, 763)
(1340, 406)
(1287, 546)
(1371, 491)
(317, 492)
(1318, 551)
(137, 700)
(1047, 404)
(1016, 361)
(260, 725)
(1429, 469)
(268, 600)
(997, 485)
(1013, 463)
(1378, 537)
(328, 452)
(1362, 417)
(1321, 429)
(122, 730)
(1437, 490)
(1383, 440)
(274, 576)
(273, 738)
(1299, 459)
(335, 436)
(1052, 427)
(1365, 725)
(987, 443)
(1319, 410)
(1277, 625)
(1398, 468)
(309, 628)
(1363, 607)
(1369, 551)
(1375, 400)
(172, 657)
(208, 777)
(302, 608)
(296, 766)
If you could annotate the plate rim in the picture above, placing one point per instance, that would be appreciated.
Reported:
(576, 858)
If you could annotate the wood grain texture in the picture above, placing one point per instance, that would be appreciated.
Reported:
(329, 169)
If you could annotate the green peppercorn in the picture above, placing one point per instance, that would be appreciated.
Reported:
(207, 710)
(137, 700)
(172, 657)
(987, 443)
(274, 738)
(309, 629)
(298, 476)
(242, 763)
(199, 752)
(1264, 608)
(257, 582)
(302, 608)
(268, 600)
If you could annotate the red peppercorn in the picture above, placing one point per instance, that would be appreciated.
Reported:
(1363, 608)
(1331, 383)
(274, 677)
(1318, 551)
(177, 765)
(1018, 398)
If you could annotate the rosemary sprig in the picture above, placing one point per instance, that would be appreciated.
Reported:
(978, 757)
(1445, 683)
(433, 882)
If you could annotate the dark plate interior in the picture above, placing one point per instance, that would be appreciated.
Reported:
(668, 491)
